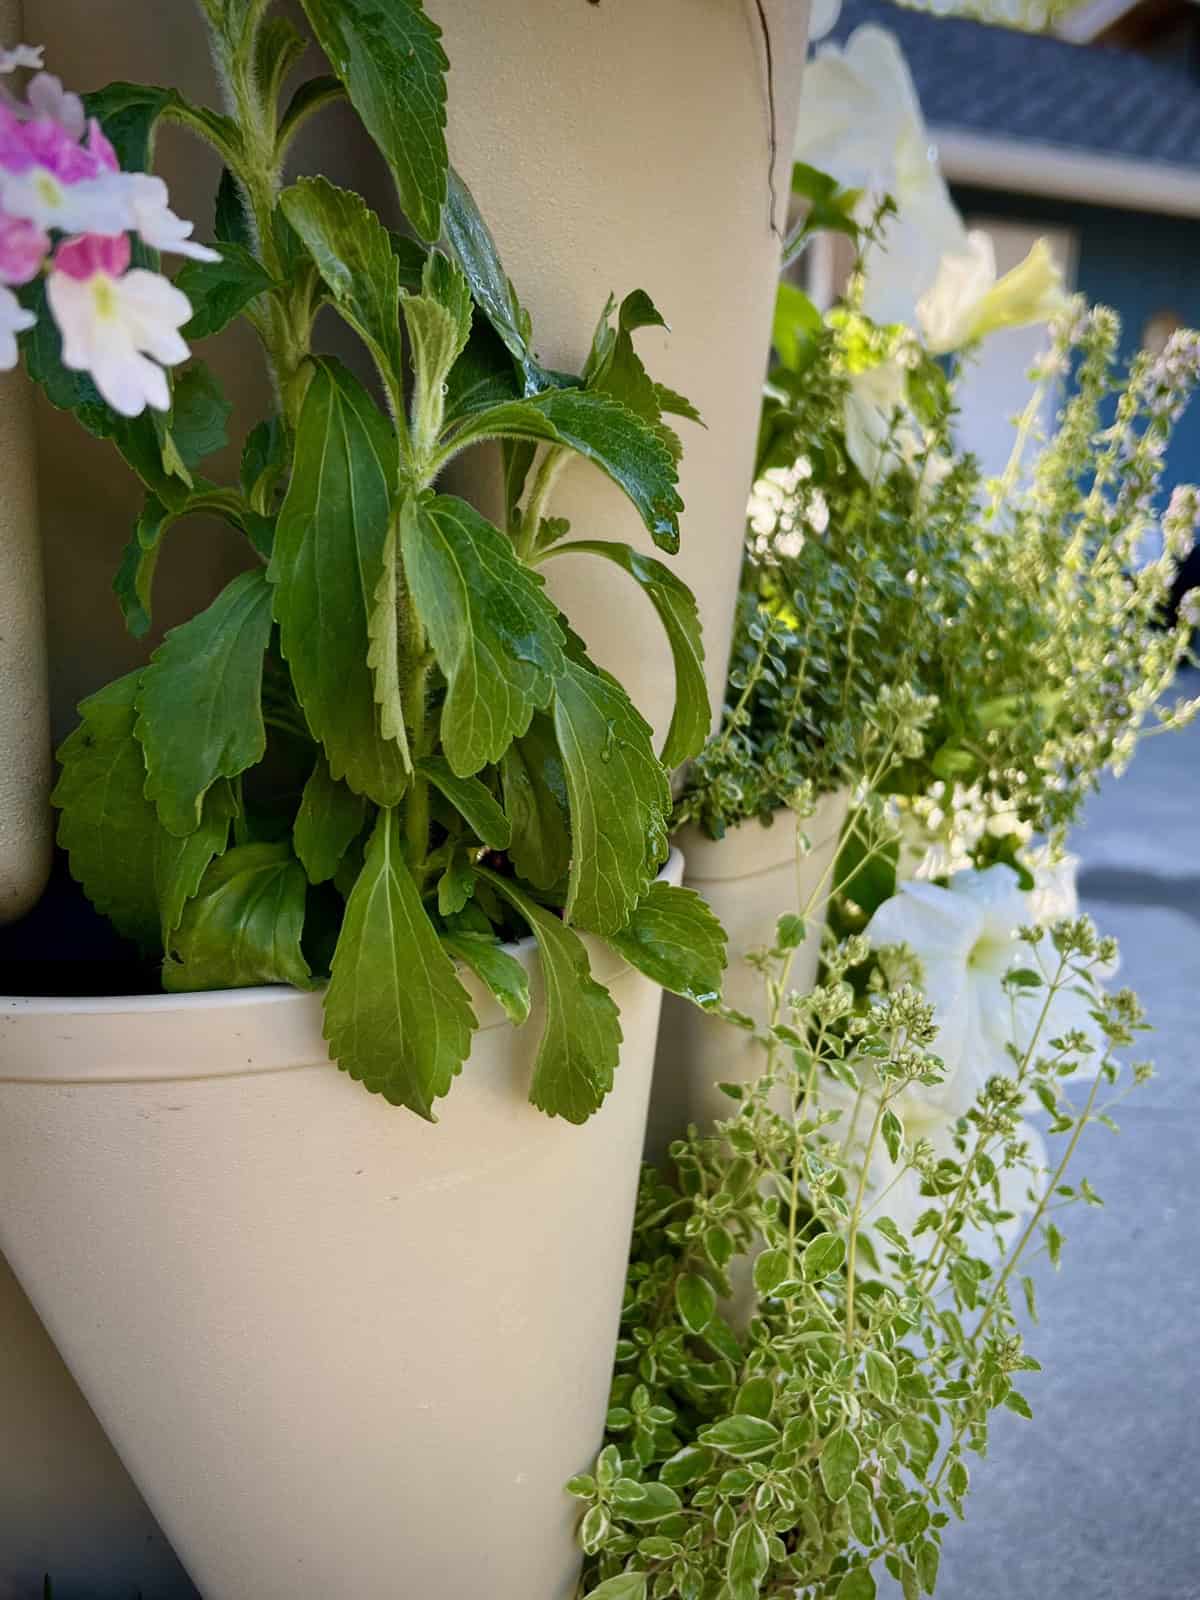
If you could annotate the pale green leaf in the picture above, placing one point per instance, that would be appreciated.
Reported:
(439, 324)
(353, 254)
(749, 1558)
(838, 1461)
(385, 651)
(858, 1584)
(535, 799)
(696, 1301)
(740, 1436)
(625, 1586)
(581, 1039)
(676, 607)
(392, 63)
(106, 825)
(200, 702)
(822, 1256)
(244, 924)
(620, 798)
(491, 963)
(494, 633)
(326, 566)
(396, 1016)
(330, 817)
(674, 938)
(472, 800)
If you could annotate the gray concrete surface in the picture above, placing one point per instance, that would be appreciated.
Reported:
(1098, 1498)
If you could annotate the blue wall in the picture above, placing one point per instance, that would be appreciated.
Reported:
(1138, 263)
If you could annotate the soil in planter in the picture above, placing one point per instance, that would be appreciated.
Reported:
(64, 947)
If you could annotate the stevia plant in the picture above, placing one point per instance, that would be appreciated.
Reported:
(381, 751)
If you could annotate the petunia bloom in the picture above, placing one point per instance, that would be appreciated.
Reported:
(121, 326)
(966, 301)
(966, 939)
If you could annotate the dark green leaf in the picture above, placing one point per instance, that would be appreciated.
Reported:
(581, 1039)
(838, 1461)
(244, 925)
(491, 963)
(107, 827)
(199, 413)
(484, 375)
(391, 60)
(199, 708)
(231, 225)
(494, 632)
(674, 938)
(535, 799)
(180, 863)
(396, 1016)
(740, 1436)
(330, 817)
(470, 242)
(755, 1398)
(696, 1301)
(264, 457)
(472, 800)
(354, 256)
(326, 568)
(686, 1466)
(307, 100)
(676, 607)
(620, 798)
(607, 434)
(796, 327)
(218, 290)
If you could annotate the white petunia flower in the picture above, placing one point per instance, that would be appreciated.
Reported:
(966, 300)
(966, 940)
(822, 18)
(872, 400)
(121, 326)
(91, 205)
(14, 319)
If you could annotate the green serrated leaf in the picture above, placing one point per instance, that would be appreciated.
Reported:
(200, 702)
(535, 800)
(674, 938)
(219, 290)
(329, 819)
(244, 924)
(180, 863)
(494, 633)
(129, 114)
(606, 433)
(396, 1016)
(473, 801)
(676, 607)
(106, 825)
(392, 63)
(502, 973)
(439, 325)
(384, 650)
(581, 1040)
(620, 798)
(326, 566)
(354, 256)
(838, 1462)
(471, 244)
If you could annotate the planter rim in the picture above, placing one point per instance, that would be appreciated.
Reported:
(752, 848)
(271, 1028)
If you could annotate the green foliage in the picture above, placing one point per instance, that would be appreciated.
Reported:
(381, 752)
(798, 1380)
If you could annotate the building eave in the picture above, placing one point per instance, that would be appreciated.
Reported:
(1026, 167)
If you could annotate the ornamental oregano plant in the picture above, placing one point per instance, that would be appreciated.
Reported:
(382, 752)
(801, 1381)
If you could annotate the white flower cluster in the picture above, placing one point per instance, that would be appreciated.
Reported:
(784, 508)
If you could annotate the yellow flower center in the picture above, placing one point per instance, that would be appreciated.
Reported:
(104, 297)
(49, 190)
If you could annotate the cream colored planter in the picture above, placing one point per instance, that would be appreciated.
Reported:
(750, 878)
(341, 1352)
(621, 146)
(25, 823)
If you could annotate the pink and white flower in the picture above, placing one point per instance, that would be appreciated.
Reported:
(23, 248)
(122, 326)
(21, 55)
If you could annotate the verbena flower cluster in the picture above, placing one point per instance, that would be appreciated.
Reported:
(59, 175)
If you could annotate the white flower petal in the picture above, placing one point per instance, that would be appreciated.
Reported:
(14, 319)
